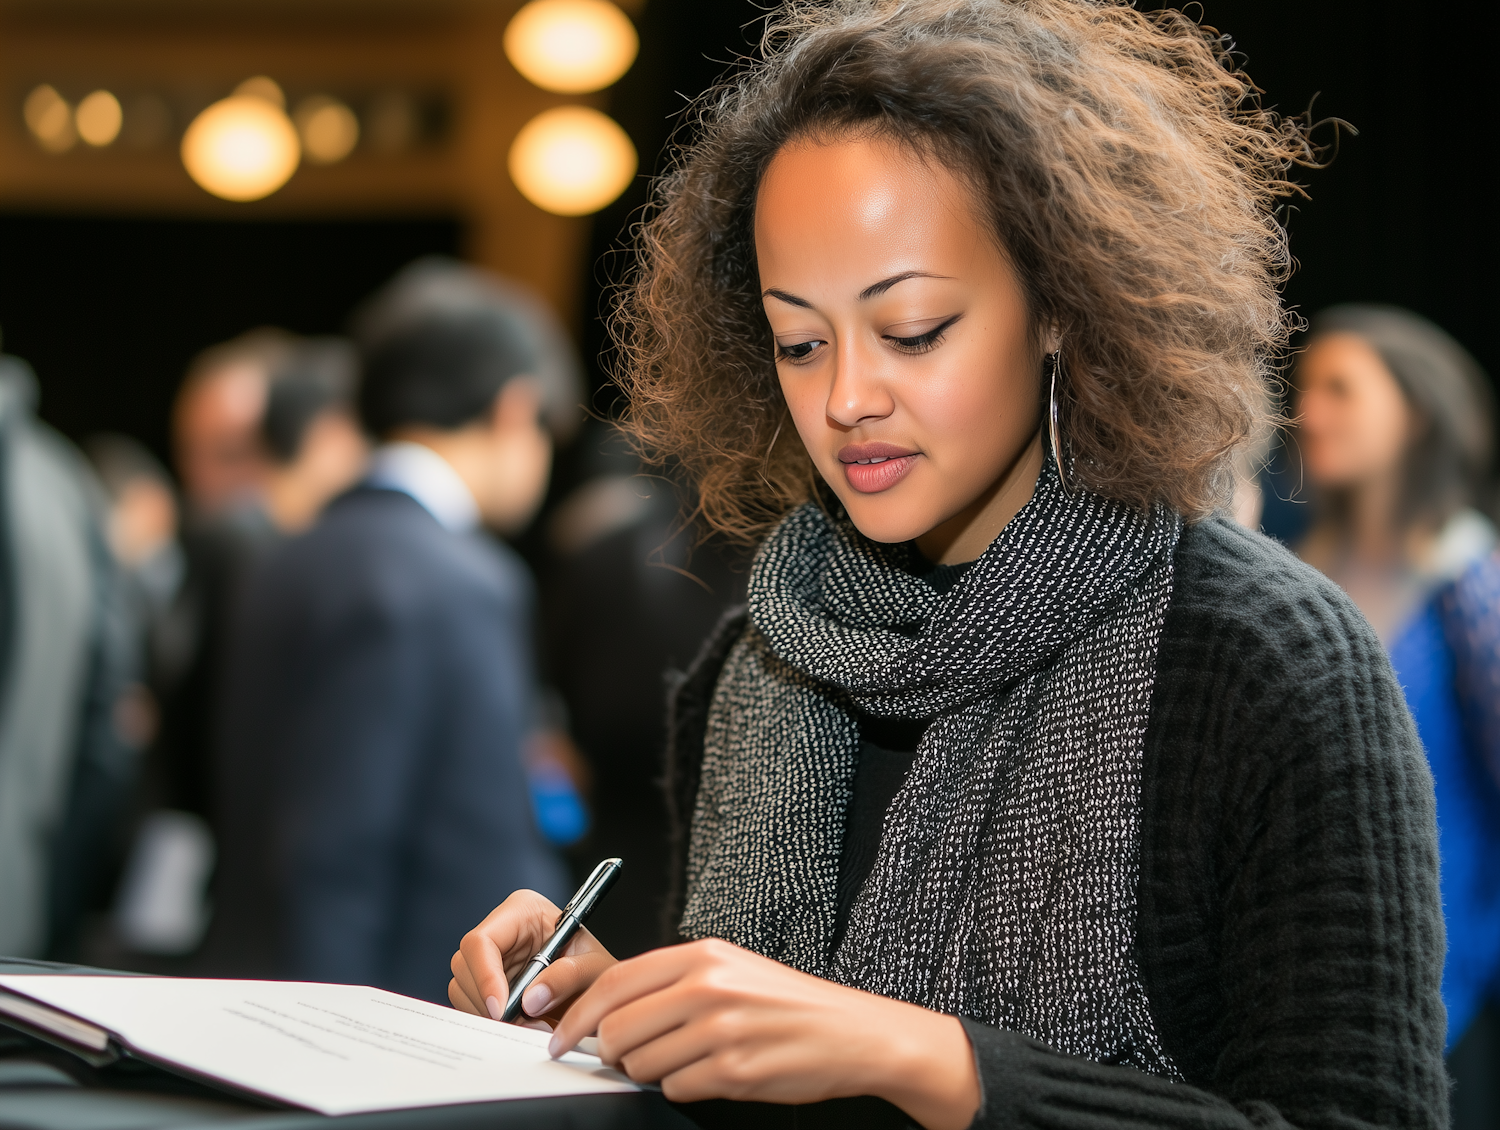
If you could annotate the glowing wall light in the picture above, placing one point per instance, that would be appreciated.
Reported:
(242, 148)
(329, 129)
(571, 46)
(572, 160)
(98, 118)
(50, 119)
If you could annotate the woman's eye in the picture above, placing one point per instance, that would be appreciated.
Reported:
(798, 351)
(922, 342)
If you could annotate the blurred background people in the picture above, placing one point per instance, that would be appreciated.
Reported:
(381, 693)
(216, 421)
(67, 659)
(1395, 431)
(312, 442)
(263, 434)
(629, 595)
(159, 906)
(143, 521)
(224, 467)
(303, 446)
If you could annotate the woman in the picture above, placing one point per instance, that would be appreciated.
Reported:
(1027, 792)
(1395, 434)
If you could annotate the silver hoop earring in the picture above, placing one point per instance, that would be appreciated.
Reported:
(1054, 423)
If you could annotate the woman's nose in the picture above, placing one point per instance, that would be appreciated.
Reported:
(859, 393)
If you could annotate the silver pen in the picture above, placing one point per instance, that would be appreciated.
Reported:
(579, 907)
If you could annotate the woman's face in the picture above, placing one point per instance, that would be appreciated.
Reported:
(903, 343)
(1353, 419)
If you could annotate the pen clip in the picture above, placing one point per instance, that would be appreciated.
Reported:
(594, 886)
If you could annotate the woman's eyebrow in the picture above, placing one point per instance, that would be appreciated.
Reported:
(874, 290)
(789, 299)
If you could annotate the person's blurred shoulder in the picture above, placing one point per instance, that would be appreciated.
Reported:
(381, 550)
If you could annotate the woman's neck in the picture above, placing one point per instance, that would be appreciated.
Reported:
(1373, 533)
(1374, 556)
(1367, 535)
(968, 533)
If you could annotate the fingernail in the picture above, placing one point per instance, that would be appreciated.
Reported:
(554, 1046)
(537, 999)
(497, 1010)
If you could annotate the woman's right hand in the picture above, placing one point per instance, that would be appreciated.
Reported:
(498, 949)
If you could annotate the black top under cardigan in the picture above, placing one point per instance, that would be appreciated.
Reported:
(1289, 935)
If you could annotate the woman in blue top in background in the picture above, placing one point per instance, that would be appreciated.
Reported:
(1396, 438)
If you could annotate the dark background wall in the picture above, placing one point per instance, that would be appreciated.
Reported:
(109, 310)
(1407, 211)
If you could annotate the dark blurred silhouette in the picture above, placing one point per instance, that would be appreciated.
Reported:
(266, 432)
(160, 906)
(224, 468)
(1396, 439)
(312, 441)
(372, 785)
(143, 518)
(629, 596)
(67, 657)
(216, 422)
(264, 435)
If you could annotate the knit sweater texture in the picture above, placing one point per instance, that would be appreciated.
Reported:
(1289, 932)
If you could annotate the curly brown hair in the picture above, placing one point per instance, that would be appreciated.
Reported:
(1129, 171)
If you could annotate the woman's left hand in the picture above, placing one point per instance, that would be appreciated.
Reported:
(710, 1020)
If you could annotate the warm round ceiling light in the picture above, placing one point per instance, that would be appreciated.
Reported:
(572, 160)
(99, 117)
(50, 119)
(242, 148)
(329, 129)
(571, 46)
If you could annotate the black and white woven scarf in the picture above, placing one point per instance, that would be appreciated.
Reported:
(1004, 888)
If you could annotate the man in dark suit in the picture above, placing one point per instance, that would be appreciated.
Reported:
(372, 792)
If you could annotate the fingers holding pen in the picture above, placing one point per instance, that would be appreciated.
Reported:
(497, 949)
(463, 990)
(555, 989)
(518, 939)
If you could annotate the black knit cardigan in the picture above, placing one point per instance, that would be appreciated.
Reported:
(1289, 932)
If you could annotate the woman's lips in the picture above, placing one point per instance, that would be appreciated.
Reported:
(873, 467)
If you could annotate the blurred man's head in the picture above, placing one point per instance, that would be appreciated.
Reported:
(216, 421)
(308, 431)
(475, 369)
(142, 502)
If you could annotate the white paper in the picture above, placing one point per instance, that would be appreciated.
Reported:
(335, 1049)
